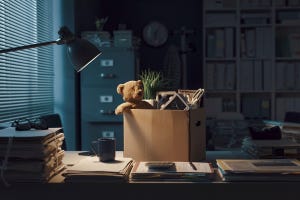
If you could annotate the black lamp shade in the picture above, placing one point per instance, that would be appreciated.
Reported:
(81, 53)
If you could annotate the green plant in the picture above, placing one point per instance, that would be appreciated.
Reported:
(153, 81)
(100, 23)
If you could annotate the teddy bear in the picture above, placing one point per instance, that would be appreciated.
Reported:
(133, 93)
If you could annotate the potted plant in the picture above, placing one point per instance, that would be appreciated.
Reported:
(100, 22)
(153, 82)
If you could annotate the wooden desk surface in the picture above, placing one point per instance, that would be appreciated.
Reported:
(206, 190)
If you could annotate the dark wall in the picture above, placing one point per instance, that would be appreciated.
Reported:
(175, 14)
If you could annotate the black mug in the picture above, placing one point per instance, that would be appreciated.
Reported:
(105, 149)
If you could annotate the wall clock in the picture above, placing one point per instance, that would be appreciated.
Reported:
(155, 34)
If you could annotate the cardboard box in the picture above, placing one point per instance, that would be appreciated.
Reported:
(164, 135)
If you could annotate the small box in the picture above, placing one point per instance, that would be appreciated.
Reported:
(123, 38)
(98, 38)
(164, 135)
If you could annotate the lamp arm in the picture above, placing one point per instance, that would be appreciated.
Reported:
(29, 46)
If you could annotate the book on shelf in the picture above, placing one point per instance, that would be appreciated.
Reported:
(259, 169)
(178, 171)
(267, 75)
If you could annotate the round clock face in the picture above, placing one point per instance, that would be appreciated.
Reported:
(155, 34)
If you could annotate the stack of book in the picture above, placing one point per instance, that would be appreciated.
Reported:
(259, 169)
(90, 169)
(30, 156)
(291, 130)
(172, 171)
(286, 147)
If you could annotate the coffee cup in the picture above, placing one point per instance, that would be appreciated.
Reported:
(104, 148)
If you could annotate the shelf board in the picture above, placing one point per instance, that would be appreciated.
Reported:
(287, 24)
(288, 8)
(220, 26)
(256, 9)
(255, 91)
(287, 58)
(254, 59)
(288, 91)
(207, 10)
(220, 91)
(220, 59)
(255, 25)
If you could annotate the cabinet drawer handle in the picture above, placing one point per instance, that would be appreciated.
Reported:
(108, 76)
(107, 112)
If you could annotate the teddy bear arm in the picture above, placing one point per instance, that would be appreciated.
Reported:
(120, 109)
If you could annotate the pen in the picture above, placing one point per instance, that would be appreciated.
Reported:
(193, 166)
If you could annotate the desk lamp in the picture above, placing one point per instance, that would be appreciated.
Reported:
(80, 51)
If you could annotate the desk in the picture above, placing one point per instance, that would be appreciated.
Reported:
(102, 191)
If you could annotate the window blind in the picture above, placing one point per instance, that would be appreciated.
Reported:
(26, 76)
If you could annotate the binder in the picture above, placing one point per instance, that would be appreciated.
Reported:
(220, 43)
(229, 43)
(280, 68)
(267, 75)
(289, 76)
(267, 42)
(246, 78)
(210, 76)
(230, 76)
(220, 78)
(260, 42)
(211, 45)
(258, 75)
(250, 42)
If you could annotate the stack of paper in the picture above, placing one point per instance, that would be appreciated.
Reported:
(181, 171)
(259, 170)
(291, 130)
(90, 169)
(30, 156)
(286, 147)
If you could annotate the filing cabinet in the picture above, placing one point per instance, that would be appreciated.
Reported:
(99, 96)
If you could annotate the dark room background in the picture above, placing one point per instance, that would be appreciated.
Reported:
(135, 14)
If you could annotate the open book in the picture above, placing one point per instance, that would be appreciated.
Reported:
(259, 169)
(180, 171)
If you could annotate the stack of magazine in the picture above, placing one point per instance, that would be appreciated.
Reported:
(286, 147)
(259, 169)
(172, 171)
(90, 169)
(31, 155)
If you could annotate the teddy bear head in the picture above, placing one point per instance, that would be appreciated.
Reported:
(131, 91)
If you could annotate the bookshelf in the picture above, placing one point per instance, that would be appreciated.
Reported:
(251, 57)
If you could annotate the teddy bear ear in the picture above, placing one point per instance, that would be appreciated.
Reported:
(139, 81)
(120, 88)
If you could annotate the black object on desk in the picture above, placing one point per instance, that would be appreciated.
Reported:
(86, 153)
(267, 133)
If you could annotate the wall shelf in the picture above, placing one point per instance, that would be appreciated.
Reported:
(251, 60)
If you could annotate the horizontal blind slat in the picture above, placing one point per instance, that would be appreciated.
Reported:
(26, 76)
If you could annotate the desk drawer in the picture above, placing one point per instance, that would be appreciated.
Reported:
(109, 69)
(98, 104)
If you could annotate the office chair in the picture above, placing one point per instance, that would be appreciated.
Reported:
(54, 121)
(292, 116)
